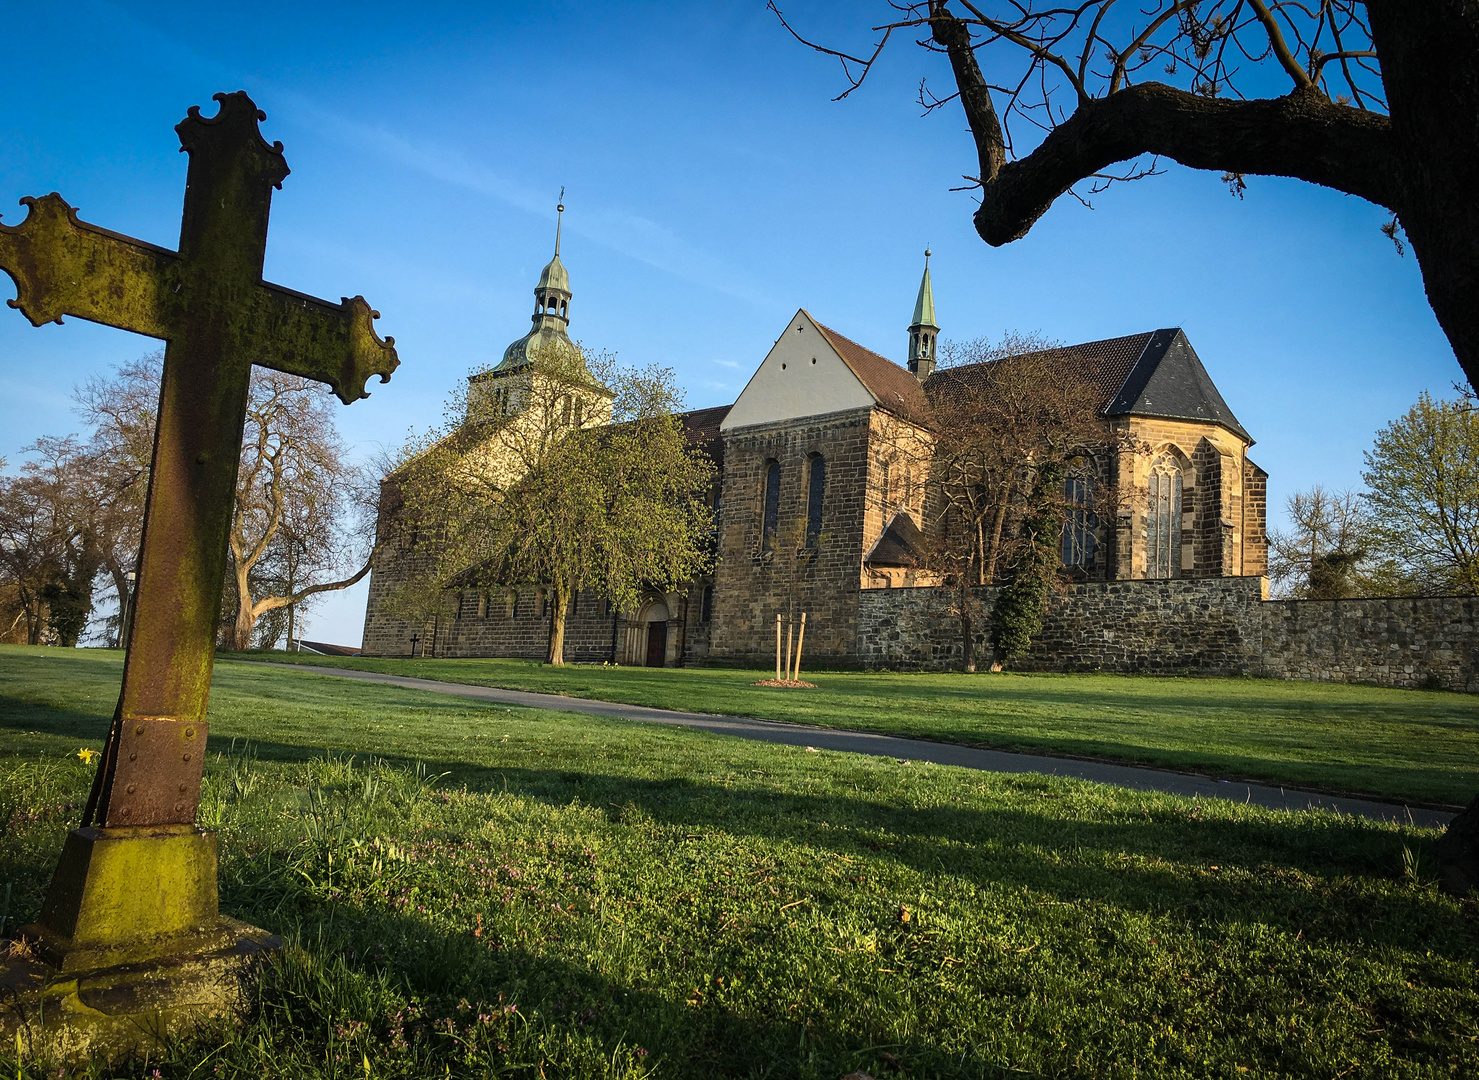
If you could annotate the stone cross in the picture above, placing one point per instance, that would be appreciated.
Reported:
(209, 303)
(132, 910)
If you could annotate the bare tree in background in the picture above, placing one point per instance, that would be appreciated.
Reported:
(49, 550)
(120, 410)
(1004, 412)
(301, 513)
(1381, 101)
(1324, 555)
(304, 515)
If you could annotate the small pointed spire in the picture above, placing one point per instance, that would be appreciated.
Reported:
(923, 331)
(559, 220)
(924, 305)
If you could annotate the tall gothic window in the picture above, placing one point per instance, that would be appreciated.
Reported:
(815, 489)
(1079, 522)
(772, 505)
(1163, 520)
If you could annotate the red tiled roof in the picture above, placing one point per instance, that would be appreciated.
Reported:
(891, 385)
(1103, 364)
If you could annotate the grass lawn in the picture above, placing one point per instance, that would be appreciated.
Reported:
(578, 897)
(1401, 745)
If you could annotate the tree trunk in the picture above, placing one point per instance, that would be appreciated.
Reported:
(967, 647)
(246, 617)
(120, 586)
(1431, 75)
(988, 570)
(558, 615)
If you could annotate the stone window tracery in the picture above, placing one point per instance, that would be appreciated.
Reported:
(1163, 519)
(1080, 524)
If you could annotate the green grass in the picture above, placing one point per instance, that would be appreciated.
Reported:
(1420, 747)
(579, 897)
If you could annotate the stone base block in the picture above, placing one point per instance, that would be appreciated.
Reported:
(112, 1013)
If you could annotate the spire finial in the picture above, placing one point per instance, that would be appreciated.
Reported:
(927, 254)
(559, 218)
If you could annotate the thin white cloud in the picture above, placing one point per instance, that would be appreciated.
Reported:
(629, 233)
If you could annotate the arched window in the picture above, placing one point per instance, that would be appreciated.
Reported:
(563, 305)
(1163, 520)
(885, 483)
(772, 515)
(816, 486)
(706, 609)
(1079, 522)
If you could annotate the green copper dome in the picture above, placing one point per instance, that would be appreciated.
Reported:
(554, 277)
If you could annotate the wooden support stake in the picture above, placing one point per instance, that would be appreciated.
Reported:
(790, 637)
(777, 646)
(801, 637)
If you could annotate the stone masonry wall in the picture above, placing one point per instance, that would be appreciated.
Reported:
(751, 586)
(1210, 626)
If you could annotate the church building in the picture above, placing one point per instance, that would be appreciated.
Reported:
(824, 489)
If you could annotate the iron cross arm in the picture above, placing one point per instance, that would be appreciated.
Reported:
(62, 265)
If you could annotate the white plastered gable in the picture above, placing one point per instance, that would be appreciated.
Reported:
(802, 375)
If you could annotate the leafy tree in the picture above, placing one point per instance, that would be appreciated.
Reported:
(527, 484)
(1422, 489)
(1381, 101)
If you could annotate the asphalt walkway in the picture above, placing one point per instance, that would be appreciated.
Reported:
(1136, 777)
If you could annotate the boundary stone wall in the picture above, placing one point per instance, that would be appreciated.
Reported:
(1208, 626)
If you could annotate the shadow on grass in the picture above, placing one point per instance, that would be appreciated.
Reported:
(1144, 854)
(715, 1032)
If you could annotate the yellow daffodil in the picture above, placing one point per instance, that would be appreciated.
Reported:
(87, 755)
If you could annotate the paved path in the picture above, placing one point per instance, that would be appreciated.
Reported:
(970, 757)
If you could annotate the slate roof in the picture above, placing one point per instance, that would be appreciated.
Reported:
(1169, 380)
(701, 428)
(902, 544)
(701, 425)
(891, 385)
(1156, 373)
(323, 648)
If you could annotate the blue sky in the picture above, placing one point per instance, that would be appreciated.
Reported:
(712, 188)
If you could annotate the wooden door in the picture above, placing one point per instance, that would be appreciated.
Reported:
(657, 643)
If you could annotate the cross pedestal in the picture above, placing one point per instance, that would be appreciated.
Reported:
(130, 946)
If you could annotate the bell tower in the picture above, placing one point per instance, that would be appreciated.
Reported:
(923, 331)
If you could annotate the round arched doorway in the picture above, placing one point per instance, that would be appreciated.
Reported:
(654, 620)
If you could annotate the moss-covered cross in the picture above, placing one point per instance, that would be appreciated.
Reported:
(209, 303)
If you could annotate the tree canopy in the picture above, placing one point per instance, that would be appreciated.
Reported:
(528, 484)
(1422, 489)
